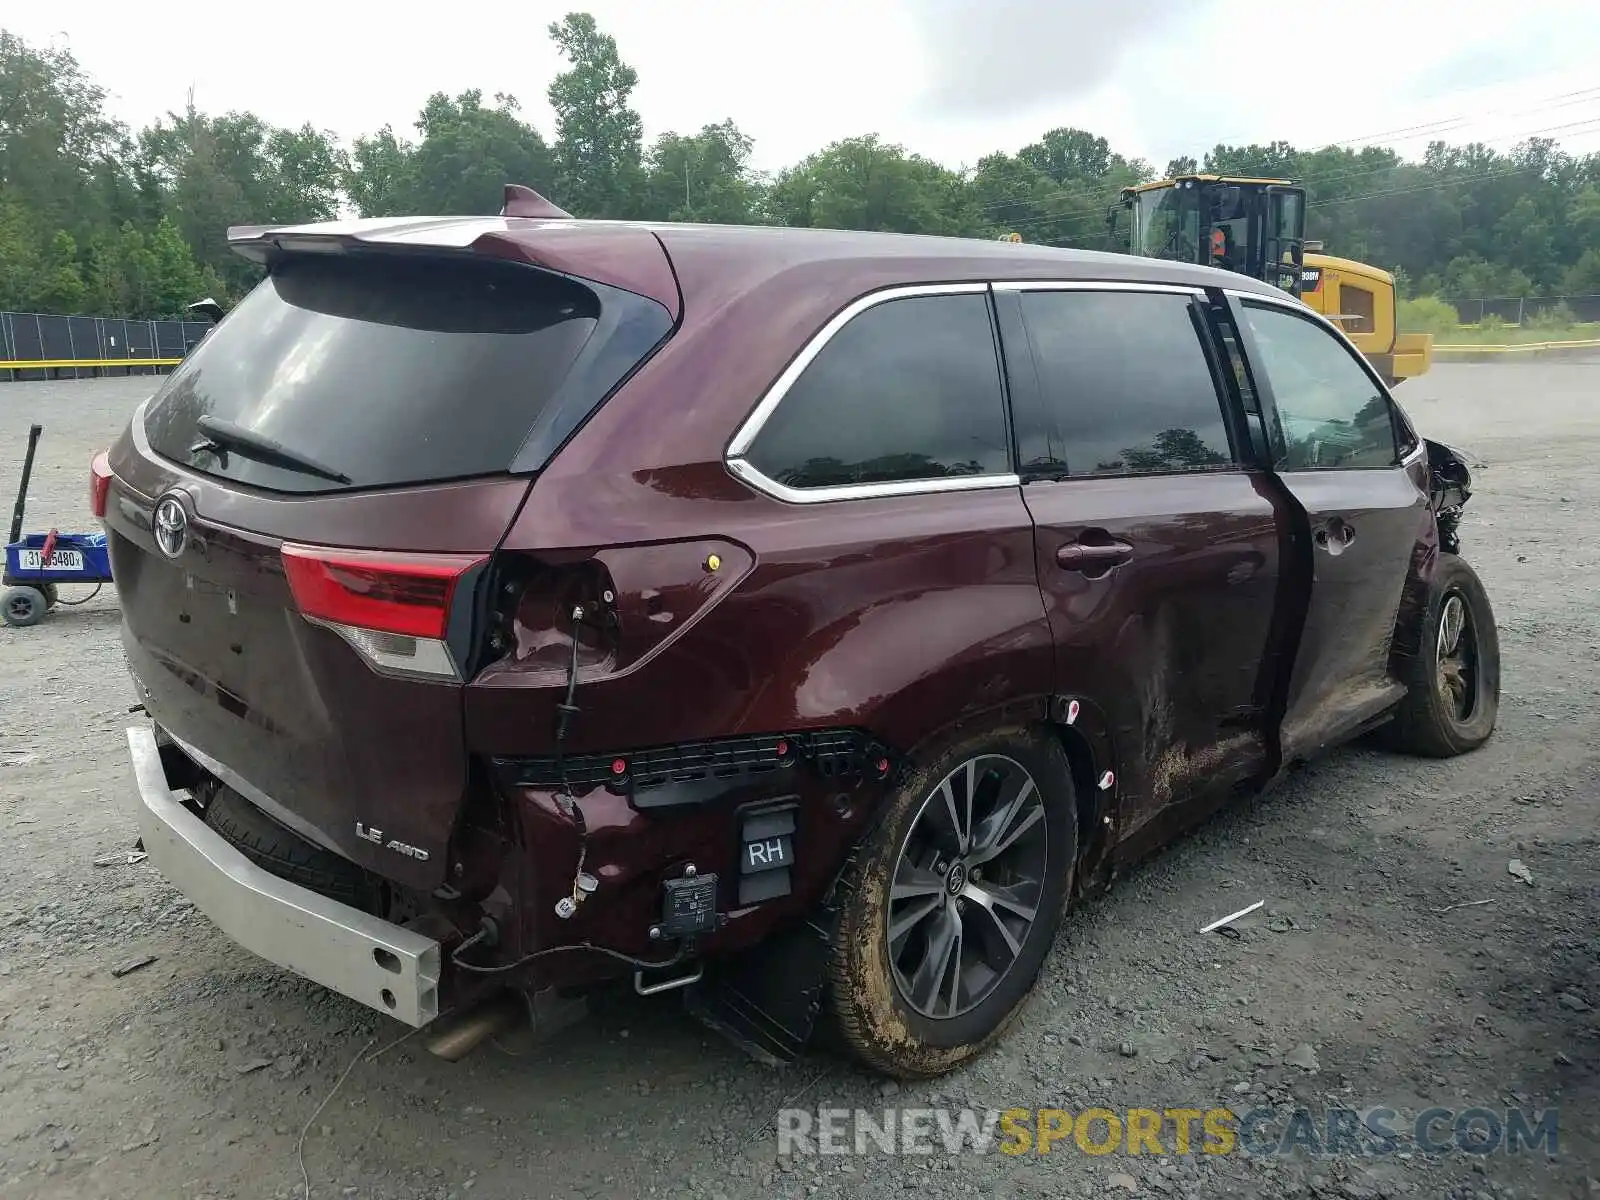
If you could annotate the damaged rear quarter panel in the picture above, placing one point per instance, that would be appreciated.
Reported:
(1444, 473)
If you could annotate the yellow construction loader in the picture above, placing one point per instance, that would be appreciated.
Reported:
(1257, 227)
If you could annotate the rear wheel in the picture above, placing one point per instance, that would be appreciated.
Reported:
(952, 904)
(1454, 696)
(23, 606)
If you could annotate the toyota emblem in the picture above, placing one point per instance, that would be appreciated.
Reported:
(171, 526)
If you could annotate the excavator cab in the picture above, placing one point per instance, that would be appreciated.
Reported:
(1253, 226)
(1257, 227)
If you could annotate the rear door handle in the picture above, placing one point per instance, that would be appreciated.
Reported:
(1092, 556)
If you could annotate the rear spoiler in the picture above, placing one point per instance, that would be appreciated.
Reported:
(616, 254)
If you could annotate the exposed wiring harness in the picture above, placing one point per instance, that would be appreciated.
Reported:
(488, 931)
(565, 712)
(489, 934)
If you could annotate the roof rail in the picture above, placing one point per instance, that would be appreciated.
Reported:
(525, 202)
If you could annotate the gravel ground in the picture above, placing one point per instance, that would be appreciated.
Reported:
(196, 1075)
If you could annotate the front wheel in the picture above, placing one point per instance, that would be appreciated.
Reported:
(953, 902)
(1454, 680)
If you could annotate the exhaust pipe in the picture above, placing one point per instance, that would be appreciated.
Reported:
(458, 1034)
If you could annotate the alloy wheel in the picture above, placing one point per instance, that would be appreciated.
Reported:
(967, 886)
(1457, 656)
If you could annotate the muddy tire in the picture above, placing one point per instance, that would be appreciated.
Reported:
(946, 917)
(284, 853)
(1454, 680)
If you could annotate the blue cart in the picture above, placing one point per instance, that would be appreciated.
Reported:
(38, 562)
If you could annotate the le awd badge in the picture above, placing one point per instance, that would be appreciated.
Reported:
(368, 834)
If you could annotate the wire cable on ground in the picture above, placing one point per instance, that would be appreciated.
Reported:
(300, 1143)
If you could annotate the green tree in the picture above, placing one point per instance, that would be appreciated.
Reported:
(1583, 220)
(307, 169)
(1583, 277)
(1054, 191)
(380, 180)
(61, 288)
(137, 270)
(467, 155)
(19, 256)
(175, 280)
(97, 219)
(55, 139)
(1011, 195)
(1065, 154)
(702, 177)
(598, 136)
(102, 276)
(861, 183)
(1275, 160)
(215, 171)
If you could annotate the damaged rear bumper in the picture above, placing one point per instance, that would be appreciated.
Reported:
(376, 963)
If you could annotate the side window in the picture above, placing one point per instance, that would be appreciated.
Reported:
(1127, 382)
(909, 389)
(1356, 309)
(1333, 414)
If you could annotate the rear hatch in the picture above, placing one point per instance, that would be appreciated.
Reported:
(303, 519)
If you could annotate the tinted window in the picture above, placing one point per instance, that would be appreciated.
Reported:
(909, 389)
(1331, 412)
(1127, 382)
(386, 372)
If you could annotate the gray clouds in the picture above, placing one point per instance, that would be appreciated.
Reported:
(993, 56)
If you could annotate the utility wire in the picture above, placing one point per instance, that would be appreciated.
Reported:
(1454, 181)
(1071, 222)
(1026, 197)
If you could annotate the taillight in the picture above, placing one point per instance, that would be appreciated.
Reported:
(99, 483)
(394, 609)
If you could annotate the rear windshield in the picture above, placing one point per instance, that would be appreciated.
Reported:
(382, 372)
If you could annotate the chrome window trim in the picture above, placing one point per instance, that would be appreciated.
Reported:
(747, 432)
(745, 436)
(867, 491)
(1094, 285)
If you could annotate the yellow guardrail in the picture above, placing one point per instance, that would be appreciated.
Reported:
(1468, 348)
(39, 364)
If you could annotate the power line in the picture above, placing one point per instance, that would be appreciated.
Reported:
(1559, 100)
(1455, 181)
(1423, 187)
(1078, 215)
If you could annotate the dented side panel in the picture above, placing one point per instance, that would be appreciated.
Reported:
(1367, 529)
(1169, 645)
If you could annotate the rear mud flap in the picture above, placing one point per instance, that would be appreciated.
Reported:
(767, 1000)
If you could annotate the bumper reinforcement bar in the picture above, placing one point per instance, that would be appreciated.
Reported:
(381, 965)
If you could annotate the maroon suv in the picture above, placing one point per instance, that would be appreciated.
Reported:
(797, 618)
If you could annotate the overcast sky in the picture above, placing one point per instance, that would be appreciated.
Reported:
(952, 79)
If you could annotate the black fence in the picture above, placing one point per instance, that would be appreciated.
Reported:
(1514, 310)
(41, 346)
